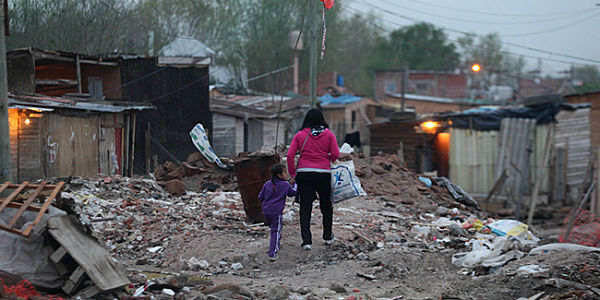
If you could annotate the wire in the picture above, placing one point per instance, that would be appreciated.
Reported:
(501, 14)
(552, 29)
(467, 33)
(481, 21)
(463, 32)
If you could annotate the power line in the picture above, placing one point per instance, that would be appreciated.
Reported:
(501, 14)
(467, 33)
(552, 29)
(482, 21)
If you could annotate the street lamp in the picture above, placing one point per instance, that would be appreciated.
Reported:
(476, 68)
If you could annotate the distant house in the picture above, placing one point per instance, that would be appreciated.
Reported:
(325, 82)
(433, 83)
(348, 115)
(529, 87)
(243, 123)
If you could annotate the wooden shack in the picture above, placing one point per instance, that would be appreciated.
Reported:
(60, 137)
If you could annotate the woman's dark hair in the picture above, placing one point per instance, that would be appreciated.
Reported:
(276, 170)
(314, 118)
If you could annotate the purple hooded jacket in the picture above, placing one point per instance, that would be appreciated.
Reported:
(273, 201)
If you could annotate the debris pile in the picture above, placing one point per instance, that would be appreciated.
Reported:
(382, 176)
(195, 174)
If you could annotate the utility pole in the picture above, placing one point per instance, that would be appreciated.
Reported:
(404, 86)
(312, 20)
(4, 132)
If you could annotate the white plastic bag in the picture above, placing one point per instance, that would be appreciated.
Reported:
(200, 140)
(344, 183)
(346, 148)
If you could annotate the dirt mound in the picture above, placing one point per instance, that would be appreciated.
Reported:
(382, 175)
(197, 173)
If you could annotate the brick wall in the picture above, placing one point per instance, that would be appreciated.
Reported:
(428, 84)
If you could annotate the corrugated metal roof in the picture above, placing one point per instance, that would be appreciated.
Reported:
(40, 101)
(423, 98)
(327, 99)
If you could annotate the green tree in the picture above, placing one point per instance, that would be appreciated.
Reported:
(419, 46)
(87, 26)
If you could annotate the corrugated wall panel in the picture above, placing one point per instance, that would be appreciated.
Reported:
(472, 157)
(516, 138)
(573, 133)
(224, 135)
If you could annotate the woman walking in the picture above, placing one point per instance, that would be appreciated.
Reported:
(318, 148)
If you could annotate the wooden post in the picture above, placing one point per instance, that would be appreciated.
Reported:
(78, 68)
(538, 181)
(147, 158)
(131, 170)
(401, 153)
(595, 206)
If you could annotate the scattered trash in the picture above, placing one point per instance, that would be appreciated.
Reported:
(426, 181)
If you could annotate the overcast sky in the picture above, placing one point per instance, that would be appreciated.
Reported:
(561, 26)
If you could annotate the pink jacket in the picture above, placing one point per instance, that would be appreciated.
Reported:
(318, 151)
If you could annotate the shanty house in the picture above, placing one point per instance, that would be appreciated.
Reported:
(176, 85)
(250, 123)
(434, 83)
(68, 136)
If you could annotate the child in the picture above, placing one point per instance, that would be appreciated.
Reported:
(273, 196)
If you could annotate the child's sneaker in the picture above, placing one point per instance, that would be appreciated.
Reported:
(273, 258)
(307, 247)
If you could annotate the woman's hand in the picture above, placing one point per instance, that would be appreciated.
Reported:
(345, 157)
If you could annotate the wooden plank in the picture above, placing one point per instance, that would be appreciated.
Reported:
(12, 196)
(26, 204)
(18, 205)
(44, 207)
(538, 181)
(58, 255)
(28, 187)
(15, 231)
(88, 253)
(74, 281)
(89, 292)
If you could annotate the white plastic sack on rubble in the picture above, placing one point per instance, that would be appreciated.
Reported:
(344, 183)
(28, 257)
(347, 149)
(512, 228)
(445, 222)
(562, 247)
(200, 140)
(495, 254)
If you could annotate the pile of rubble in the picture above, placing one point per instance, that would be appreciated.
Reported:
(195, 174)
(382, 175)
